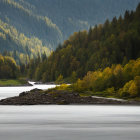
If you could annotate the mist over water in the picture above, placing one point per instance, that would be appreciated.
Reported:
(71, 122)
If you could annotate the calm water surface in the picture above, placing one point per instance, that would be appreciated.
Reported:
(67, 122)
(14, 91)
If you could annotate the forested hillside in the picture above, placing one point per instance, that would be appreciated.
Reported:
(27, 27)
(19, 46)
(75, 15)
(29, 23)
(114, 42)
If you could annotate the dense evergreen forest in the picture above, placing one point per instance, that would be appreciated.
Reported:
(111, 43)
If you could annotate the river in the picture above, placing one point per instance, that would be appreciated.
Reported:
(14, 91)
(69, 122)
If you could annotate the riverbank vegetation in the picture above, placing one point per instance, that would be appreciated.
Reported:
(116, 81)
(10, 72)
(119, 81)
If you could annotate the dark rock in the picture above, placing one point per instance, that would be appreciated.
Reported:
(63, 102)
(37, 97)
(36, 90)
(23, 94)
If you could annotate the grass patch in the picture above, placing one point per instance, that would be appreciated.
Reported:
(62, 87)
(12, 82)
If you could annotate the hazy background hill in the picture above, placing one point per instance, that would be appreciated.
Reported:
(74, 15)
(27, 26)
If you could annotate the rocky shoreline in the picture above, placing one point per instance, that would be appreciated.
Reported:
(39, 97)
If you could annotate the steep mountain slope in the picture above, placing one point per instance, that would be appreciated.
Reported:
(50, 22)
(18, 45)
(75, 15)
(25, 21)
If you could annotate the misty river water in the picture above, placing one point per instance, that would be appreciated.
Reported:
(68, 122)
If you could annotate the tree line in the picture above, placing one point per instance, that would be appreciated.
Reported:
(8, 68)
(114, 42)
